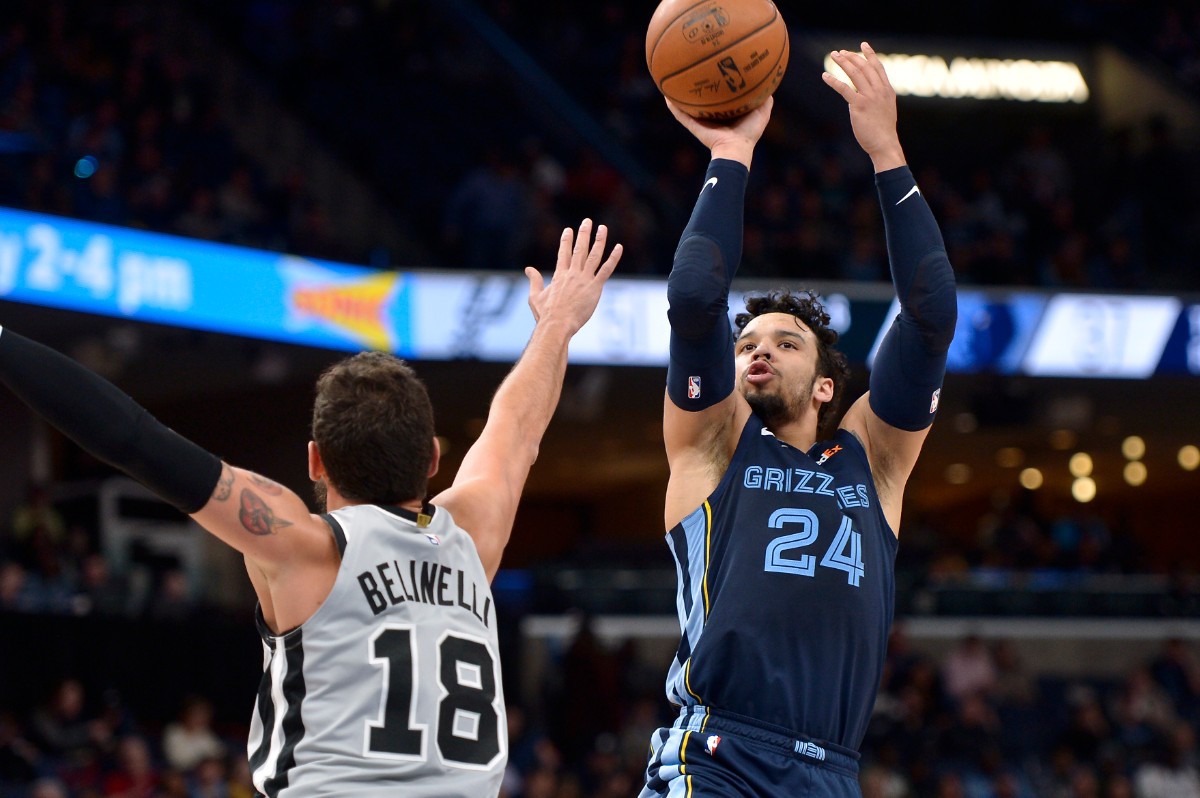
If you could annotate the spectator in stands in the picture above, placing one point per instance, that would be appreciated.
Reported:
(1014, 684)
(881, 782)
(173, 600)
(35, 516)
(134, 775)
(200, 220)
(1141, 710)
(1118, 786)
(591, 701)
(487, 215)
(208, 779)
(1088, 731)
(189, 739)
(973, 735)
(18, 758)
(1172, 772)
(100, 591)
(950, 785)
(63, 731)
(14, 596)
(969, 669)
(48, 788)
(1177, 670)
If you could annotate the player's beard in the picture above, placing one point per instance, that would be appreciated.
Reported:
(321, 492)
(775, 409)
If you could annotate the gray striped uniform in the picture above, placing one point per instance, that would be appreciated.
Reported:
(393, 686)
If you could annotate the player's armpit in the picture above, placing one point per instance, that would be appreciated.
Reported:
(265, 521)
(892, 453)
(710, 433)
(699, 446)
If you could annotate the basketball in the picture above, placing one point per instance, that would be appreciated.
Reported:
(717, 59)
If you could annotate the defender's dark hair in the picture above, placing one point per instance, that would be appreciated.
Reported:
(373, 425)
(808, 308)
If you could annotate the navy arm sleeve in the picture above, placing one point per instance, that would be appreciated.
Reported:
(701, 370)
(907, 374)
(100, 418)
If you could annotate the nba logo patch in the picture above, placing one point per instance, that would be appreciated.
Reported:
(933, 402)
(693, 387)
(710, 745)
(434, 539)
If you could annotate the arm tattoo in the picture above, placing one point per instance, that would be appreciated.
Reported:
(269, 487)
(224, 485)
(257, 516)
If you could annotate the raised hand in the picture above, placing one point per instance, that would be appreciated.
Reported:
(872, 102)
(579, 277)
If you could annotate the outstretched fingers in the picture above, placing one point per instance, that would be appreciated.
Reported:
(856, 68)
(566, 243)
(609, 265)
(585, 252)
(582, 243)
(596, 253)
(876, 66)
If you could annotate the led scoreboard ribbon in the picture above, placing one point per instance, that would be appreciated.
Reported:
(447, 315)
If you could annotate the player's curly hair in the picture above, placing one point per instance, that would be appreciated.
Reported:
(808, 308)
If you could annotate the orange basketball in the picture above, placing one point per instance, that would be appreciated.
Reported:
(717, 59)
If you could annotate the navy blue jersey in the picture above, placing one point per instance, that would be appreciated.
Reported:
(786, 589)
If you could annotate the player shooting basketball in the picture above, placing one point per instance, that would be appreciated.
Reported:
(381, 674)
(784, 530)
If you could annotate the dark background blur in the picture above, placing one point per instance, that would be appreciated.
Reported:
(1058, 637)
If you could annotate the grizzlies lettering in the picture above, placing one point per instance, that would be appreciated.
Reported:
(804, 480)
(425, 583)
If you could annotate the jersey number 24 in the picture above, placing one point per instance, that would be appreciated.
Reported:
(843, 554)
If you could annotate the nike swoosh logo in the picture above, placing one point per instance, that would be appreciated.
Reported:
(712, 181)
(911, 191)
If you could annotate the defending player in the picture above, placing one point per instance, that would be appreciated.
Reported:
(782, 529)
(381, 675)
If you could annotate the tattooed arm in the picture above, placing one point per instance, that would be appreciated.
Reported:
(260, 518)
(290, 554)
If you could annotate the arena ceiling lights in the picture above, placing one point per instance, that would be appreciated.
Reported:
(958, 77)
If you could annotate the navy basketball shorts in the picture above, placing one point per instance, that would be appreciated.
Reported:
(705, 754)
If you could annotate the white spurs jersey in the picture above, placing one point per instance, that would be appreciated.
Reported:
(393, 686)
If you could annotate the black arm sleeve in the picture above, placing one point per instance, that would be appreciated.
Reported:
(906, 376)
(700, 372)
(100, 418)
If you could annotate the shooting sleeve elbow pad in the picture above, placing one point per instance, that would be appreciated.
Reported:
(700, 373)
(906, 377)
(104, 421)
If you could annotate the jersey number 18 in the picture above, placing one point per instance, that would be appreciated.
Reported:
(467, 724)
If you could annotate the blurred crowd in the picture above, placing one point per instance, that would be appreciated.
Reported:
(972, 722)
(54, 563)
(102, 118)
(54, 559)
(487, 127)
(71, 744)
